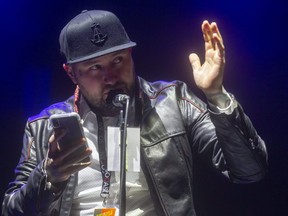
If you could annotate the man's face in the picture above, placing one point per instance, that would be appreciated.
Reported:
(98, 76)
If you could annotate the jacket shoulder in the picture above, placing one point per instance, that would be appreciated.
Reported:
(60, 107)
(179, 88)
(154, 88)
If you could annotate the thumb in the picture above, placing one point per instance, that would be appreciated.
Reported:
(195, 61)
(53, 141)
(53, 146)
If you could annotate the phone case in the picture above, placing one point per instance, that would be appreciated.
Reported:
(70, 122)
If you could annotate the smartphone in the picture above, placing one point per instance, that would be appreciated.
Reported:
(71, 122)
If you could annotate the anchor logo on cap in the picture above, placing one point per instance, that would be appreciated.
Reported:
(99, 38)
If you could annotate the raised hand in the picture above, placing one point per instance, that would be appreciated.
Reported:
(209, 75)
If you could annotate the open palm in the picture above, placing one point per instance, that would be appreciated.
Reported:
(209, 75)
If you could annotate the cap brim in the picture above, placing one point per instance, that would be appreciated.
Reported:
(103, 52)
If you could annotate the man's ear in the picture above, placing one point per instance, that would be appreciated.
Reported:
(69, 72)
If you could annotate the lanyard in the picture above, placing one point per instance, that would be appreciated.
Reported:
(106, 175)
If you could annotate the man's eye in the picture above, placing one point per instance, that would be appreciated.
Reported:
(95, 67)
(118, 60)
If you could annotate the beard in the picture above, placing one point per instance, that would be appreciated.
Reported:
(104, 107)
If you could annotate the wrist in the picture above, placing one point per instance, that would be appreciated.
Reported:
(55, 187)
(222, 102)
(221, 99)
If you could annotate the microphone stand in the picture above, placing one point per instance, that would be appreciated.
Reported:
(123, 136)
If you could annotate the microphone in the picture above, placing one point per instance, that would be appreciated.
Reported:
(120, 99)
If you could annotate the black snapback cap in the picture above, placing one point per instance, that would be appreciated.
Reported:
(91, 34)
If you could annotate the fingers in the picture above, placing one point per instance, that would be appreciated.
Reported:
(219, 46)
(206, 30)
(65, 173)
(69, 165)
(68, 161)
(212, 37)
(63, 162)
(73, 153)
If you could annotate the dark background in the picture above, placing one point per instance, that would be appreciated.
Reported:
(255, 36)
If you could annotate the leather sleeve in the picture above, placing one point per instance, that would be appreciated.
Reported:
(229, 142)
(243, 149)
(27, 194)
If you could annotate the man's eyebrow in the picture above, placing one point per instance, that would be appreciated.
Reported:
(94, 61)
(91, 61)
(118, 52)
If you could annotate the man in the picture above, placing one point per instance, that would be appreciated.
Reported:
(175, 126)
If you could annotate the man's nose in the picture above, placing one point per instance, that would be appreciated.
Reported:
(110, 76)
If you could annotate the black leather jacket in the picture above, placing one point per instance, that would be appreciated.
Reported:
(175, 125)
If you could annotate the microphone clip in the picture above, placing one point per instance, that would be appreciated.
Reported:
(120, 100)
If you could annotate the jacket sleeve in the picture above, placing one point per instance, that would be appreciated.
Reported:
(243, 149)
(28, 194)
(227, 141)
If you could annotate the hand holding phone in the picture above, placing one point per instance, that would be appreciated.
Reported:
(68, 151)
